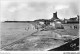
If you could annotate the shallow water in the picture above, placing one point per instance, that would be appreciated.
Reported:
(13, 31)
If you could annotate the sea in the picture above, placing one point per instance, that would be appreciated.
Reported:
(13, 31)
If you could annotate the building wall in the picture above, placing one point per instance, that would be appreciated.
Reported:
(41, 22)
(57, 25)
(53, 24)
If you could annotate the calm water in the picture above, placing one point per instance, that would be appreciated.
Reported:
(13, 31)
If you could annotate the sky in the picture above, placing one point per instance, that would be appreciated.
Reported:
(29, 10)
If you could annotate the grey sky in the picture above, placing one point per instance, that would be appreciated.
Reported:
(38, 9)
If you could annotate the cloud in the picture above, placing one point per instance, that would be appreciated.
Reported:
(74, 7)
(59, 7)
(33, 9)
(38, 6)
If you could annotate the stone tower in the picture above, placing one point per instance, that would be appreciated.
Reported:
(54, 16)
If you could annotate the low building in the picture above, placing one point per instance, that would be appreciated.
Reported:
(71, 20)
